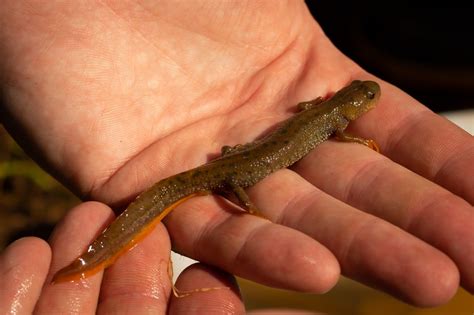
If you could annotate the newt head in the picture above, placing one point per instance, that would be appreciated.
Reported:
(357, 98)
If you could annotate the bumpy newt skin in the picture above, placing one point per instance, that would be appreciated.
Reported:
(239, 167)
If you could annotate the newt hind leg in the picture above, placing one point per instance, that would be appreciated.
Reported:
(227, 149)
(245, 202)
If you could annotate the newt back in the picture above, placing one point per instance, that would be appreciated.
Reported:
(239, 167)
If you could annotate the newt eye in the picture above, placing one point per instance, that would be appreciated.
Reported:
(370, 95)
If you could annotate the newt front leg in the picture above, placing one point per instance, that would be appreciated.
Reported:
(341, 135)
(309, 104)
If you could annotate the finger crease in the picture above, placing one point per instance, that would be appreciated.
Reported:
(403, 129)
(366, 176)
(239, 256)
(454, 156)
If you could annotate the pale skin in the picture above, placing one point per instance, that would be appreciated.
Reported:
(113, 96)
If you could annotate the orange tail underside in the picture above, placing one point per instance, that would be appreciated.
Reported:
(63, 277)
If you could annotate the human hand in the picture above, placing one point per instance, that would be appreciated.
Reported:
(139, 283)
(113, 97)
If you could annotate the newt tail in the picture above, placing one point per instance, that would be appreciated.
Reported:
(239, 167)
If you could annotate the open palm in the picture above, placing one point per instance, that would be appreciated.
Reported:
(114, 97)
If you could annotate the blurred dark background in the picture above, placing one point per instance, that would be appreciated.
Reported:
(428, 52)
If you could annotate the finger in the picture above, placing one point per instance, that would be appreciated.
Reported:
(140, 275)
(23, 268)
(376, 185)
(251, 247)
(424, 142)
(70, 238)
(440, 151)
(368, 249)
(225, 299)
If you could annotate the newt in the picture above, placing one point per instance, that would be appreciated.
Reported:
(238, 167)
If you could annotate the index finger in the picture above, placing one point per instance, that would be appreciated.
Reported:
(415, 137)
